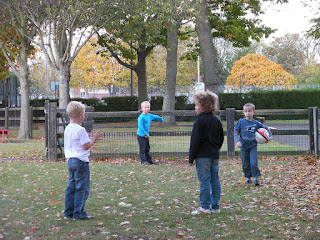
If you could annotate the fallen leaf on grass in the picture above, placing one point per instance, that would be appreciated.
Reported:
(124, 223)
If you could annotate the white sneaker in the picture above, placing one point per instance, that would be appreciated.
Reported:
(201, 210)
(215, 210)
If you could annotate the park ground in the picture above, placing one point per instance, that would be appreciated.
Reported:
(130, 201)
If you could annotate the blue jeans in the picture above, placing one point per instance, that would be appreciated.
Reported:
(78, 188)
(144, 149)
(249, 159)
(210, 187)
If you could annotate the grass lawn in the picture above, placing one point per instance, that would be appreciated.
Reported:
(130, 201)
(22, 148)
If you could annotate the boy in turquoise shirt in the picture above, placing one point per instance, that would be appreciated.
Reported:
(144, 122)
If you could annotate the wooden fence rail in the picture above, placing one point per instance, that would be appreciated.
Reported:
(10, 117)
(229, 116)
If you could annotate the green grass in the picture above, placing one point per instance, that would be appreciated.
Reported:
(170, 144)
(22, 148)
(35, 148)
(159, 200)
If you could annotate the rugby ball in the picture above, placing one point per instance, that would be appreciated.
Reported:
(262, 135)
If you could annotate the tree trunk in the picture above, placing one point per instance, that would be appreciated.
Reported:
(141, 71)
(25, 116)
(208, 51)
(171, 72)
(64, 80)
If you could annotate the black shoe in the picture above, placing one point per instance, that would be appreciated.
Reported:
(84, 218)
(153, 162)
(68, 216)
(256, 182)
(248, 182)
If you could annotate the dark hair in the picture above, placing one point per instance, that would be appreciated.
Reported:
(207, 100)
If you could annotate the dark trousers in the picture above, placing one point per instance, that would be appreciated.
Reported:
(144, 150)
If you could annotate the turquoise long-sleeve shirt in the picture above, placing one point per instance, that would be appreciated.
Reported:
(144, 122)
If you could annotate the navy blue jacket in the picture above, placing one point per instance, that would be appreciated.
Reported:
(244, 132)
(206, 137)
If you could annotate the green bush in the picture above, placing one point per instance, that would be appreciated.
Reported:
(157, 102)
(114, 104)
(294, 99)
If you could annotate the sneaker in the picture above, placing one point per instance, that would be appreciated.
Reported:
(248, 182)
(256, 182)
(84, 218)
(213, 211)
(201, 210)
(145, 163)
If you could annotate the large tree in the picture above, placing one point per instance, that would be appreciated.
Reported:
(310, 73)
(228, 54)
(4, 66)
(230, 20)
(288, 51)
(91, 70)
(315, 28)
(132, 36)
(175, 12)
(64, 27)
(257, 70)
(16, 48)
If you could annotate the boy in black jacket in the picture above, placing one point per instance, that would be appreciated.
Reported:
(206, 141)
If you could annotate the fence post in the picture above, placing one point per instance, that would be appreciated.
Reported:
(46, 125)
(230, 114)
(6, 118)
(88, 124)
(51, 126)
(31, 120)
(313, 129)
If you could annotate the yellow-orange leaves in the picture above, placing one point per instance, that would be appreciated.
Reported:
(257, 70)
(92, 70)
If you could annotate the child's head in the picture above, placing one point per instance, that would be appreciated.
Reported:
(249, 110)
(205, 101)
(145, 107)
(250, 105)
(74, 108)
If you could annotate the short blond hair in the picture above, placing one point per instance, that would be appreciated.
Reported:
(145, 102)
(251, 105)
(74, 108)
(207, 100)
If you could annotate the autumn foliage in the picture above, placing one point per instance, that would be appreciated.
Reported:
(92, 70)
(257, 70)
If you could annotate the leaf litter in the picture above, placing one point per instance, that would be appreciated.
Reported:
(282, 208)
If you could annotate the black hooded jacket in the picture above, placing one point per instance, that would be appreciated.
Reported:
(206, 137)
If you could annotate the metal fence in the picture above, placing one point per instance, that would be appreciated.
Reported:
(295, 132)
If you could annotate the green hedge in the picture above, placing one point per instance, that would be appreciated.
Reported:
(295, 99)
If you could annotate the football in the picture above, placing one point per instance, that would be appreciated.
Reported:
(262, 135)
